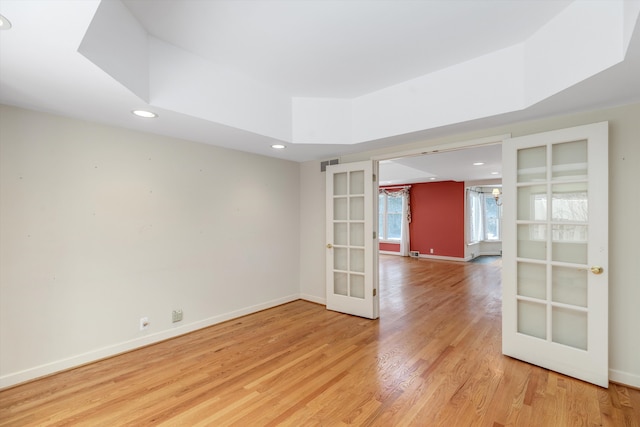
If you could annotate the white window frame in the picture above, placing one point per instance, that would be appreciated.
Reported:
(383, 236)
(481, 196)
(485, 219)
(471, 239)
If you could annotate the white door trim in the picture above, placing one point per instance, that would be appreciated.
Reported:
(450, 146)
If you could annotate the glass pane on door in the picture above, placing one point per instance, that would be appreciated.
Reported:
(532, 280)
(532, 241)
(532, 319)
(569, 327)
(340, 184)
(340, 208)
(357, 285)
(532, 164)
(340, 283)
(569, 286)
(569, 202)
(340, 233)
(357, 209)
(566, 245)
(357, 260)
(357, 234)
(532, 203)
(356, 182)
(340, 261)
(569, 160)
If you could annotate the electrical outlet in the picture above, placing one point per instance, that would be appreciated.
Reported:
(431, 250)
(176, 316)
(144, 323)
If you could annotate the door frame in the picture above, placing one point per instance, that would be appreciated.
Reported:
(448, 146)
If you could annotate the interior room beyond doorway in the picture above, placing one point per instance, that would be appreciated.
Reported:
(444, 204)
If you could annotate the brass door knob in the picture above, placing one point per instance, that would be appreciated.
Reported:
(329, 245)
(597, 270)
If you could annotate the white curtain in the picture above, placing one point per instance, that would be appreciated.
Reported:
(405, 241)
(474, 209)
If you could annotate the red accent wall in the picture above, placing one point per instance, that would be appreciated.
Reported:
(437, 218)
(390, 247)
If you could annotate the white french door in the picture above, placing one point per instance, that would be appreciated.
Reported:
(555, 251)
(351, 259)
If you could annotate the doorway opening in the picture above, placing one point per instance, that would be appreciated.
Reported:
(442, 204)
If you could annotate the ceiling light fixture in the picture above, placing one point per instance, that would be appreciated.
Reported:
(478, 164)
(4, 23)
(145, 114)
(495, 173)
(278, 146)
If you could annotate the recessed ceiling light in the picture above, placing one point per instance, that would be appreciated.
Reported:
(495, 173)
(478, 164)
(4, 23)
(145, 114)
(433, 178)
(279, 146)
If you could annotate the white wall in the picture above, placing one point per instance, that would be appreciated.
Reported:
(100, 226)
(624, 230)
(312, 232)
(490, 248)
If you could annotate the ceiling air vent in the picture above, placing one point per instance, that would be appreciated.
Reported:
(323, 165)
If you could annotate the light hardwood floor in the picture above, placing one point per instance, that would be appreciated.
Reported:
(433, 359)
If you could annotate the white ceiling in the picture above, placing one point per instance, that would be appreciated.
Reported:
(326, 49)
(341, 49)
(481, 164)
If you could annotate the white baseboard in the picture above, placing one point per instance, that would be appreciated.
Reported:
(313, 298)
(444, 258)
(389, 253)
(624, 378)
(15, 378)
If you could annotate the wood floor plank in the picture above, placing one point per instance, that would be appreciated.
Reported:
(432, 359)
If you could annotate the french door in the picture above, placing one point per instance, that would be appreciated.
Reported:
(351, 262)
(555, 251)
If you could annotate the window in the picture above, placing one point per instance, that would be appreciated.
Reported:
(484, 217)
(492, 214)
(474, 206)
(390, 216)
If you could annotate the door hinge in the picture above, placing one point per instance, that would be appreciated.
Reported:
(374, 235)
(374, 177)
(375, 292)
